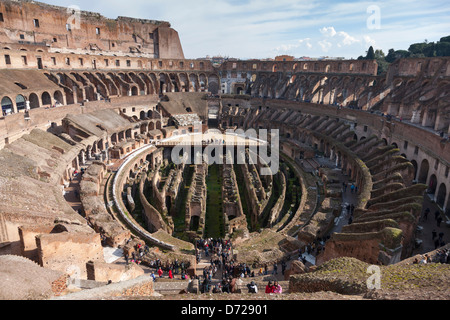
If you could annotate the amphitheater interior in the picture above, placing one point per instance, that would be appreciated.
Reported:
(321, 156)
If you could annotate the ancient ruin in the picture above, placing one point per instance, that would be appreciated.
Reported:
(94, 112)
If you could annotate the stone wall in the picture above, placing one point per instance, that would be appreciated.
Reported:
(69, 252)
(104, 272)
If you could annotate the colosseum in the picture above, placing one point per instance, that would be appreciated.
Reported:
(320, 167)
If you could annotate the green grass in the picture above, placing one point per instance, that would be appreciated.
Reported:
(243, 193)
(180, 211)
(214, 224)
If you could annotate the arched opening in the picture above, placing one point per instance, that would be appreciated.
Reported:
(423, 174)
(34, 101)
(440, 198)
(46, 99)
(414, 163)
(432, 184)
(128, 134)
(20, 102)
(58, 96)
(7, 106)
(134, 91)
(142, 115)
(158, 124)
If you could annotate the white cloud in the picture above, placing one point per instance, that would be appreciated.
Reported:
(328, 31)
(369, 41)
(306, 42)
(325, 45)
(347, 39)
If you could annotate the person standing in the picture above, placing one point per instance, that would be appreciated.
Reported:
(425, 214)
(275, 268)
(434, 234)
(439, 220)
(160, 272)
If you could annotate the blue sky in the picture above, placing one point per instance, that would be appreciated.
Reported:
(264, 29)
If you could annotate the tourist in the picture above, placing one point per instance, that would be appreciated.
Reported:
(225, 286)
(252, 287)
(277, 288)
(160, 272)
(438, 221)
(260, 273)
(436, 215)
(152, 275)
(170, 274)
(269, 287)
(425, 214)
(233, 285)
(216, 289)
(436, 243)
(275, 268)
(283, 267)
(352, 188)
(423, 260)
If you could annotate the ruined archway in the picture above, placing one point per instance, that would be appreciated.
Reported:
(34, 101)
(440, 197)
(423, 173)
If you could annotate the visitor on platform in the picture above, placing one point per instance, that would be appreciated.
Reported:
(252, 287)
(277, 288)
(269, 287)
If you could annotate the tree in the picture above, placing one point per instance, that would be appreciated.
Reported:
(390, 56)
(370, 54)
(445, 39)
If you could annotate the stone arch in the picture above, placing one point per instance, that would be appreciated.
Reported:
(7, 105)
(432, 184)
(213, 84)
(58, 96)
(34, 101)
(46, 99)
(423, 173)
(20, 102)
(442, 193)
(414, 163)
(128, 134)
